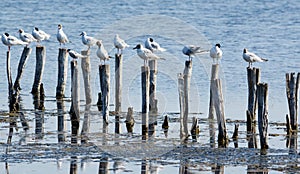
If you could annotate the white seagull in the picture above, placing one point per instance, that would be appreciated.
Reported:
(119, 43)
(26, 37)
(40, 35)
(74, 54)
(251, 57)
(101, 52)
(216, 52)
(152, 45)
(87, 40)
(11, 40)
(191, 50)
(61, 36)
(145, 54)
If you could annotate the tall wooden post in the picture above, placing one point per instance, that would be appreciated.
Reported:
(152, 93)
(105, 85)
(62, 73)
(8, 73)
(182, 105)
(39, 69)
(25, 55)
(214, 75)
(118, 82)
(292, 92)
(145, 100)
(262, 94)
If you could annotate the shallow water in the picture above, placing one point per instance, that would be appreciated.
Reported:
(271, 29)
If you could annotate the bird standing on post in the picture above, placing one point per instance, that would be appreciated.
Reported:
(191, 50)
(61, 36)
(87, 40)
(11, 40)
(120, 44)
(145, 54)
(101, 52)
(40, 35)
(251, 57)
(216, 53)
(75, 55)
(152, 45)
(26, 37)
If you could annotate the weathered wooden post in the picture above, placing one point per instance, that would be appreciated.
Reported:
(8, 72)
(214, 75)
(152, 90)
(220, 112)
(75, 96)
(39, 68)
(145, 100)
(262, 96)
(129, 120)
(235, 135)
(104, 71)
(118, 91)
(25, 54)
(183, 124)
(99, 102)
(195, 129)
(187, 74)
(62, 73)
(165, 126)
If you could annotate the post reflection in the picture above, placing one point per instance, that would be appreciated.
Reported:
(61, 124)
(73, 165)
(103, 166)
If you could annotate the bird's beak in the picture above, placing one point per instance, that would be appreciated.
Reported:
(134, 48)
(80, 34)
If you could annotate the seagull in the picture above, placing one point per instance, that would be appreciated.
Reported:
(87, 40)
(11, 40)
(152, 45)
(119, 43)
(101, 52)
(39, 35)
(251, 57)
(75, 55)
(145, 54)
(61, 36)
(26, 37)
(216, 52)
(191, 50)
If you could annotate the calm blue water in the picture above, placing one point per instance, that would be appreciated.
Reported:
(270, 29)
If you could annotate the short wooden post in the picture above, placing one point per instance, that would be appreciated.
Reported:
(292, 92)
(61, 124)
(25, 54)
(195, 129)
(235, 135)
(214, 75)
(262, 96)
(39, 69)
(145, 100)
(183, 124)
(152, 90)
(253, 76)
(219, 106)
(129, 120)
(62, 73)
(8, 72)
(118, 82)
(105, 90)
(99, 102)
(75, 96)
(165, 126)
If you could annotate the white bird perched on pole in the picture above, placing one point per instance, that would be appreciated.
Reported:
(101, 52)
(88, 40)
(145, 54)
(26, 37)
(40, 35)
(216, 52)
(61, 36)
(152, 45)
(74, 54)
(11, 40)
(191, 50)
(119, 43)
(251, 57)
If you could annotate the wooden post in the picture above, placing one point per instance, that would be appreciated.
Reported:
(8, 72)
(262, 94)
(75, 96)
(195, 129)
(85, 124)
(129, 120)
(62, 73)
(25, 54)
(292, 92)
(118, 82)
(235, 135)
(165, 126)
(61, 124)
(39, 69)
(187, 74)
(105, 85)
(253, 76)
(145, 100)
(214, 75)
(183, 125)
(86, 71)
(219, 106)
(99, 102)
(152, 90)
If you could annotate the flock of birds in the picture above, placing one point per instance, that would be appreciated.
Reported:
(146, 52)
